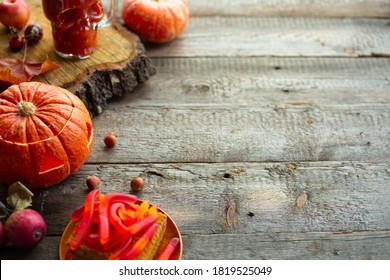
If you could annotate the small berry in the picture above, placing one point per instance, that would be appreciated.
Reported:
(110, 140)
(33, 33)
(16, 42)
(137, 184)
(93, 182)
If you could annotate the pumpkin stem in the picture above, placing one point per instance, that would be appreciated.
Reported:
(26, 108)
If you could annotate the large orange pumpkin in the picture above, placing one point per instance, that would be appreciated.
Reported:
(46, 134)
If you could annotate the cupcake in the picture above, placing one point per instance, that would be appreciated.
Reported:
(116, 226)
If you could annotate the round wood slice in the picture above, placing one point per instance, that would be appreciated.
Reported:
(117, 66)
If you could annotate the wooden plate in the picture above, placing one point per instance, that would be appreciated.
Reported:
(170, 232)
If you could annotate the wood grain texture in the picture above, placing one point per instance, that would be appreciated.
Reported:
(262, 82)
(298, 132)
(269, 246)
(289, 246)
(253, 109)
(277, 37)
(261, 197)
(288, 8)
(291, 8)
(346, 215)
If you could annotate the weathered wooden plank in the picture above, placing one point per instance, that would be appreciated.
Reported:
(289, 246)
(295, 37)
(278, 84)
(259, 246)
(332, 95)
(245, 210)
(262, 82)
(294, 131)
(240, 198)
(340, 196)
(288, 8)
(291, 8)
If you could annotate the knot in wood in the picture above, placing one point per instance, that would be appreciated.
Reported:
(231, 218)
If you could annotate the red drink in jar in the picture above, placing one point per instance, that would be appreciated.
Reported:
(74, 25)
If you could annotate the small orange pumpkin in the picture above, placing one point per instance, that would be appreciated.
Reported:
(46, 134)
(156, 21)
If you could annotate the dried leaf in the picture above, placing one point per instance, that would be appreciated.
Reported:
(19, 197)
(15, 71)
(48, 65)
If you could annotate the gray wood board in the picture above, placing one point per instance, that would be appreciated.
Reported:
(245, 211)
(261, 82)
(292, 37)
(241, 198)
(286, 8)
(267, 246)
(291, 8)
(209, 134)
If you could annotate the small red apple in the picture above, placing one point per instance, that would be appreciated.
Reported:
(25, 228)
(14, 13)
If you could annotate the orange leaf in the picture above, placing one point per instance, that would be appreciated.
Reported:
(48, 65)
(15, 71)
